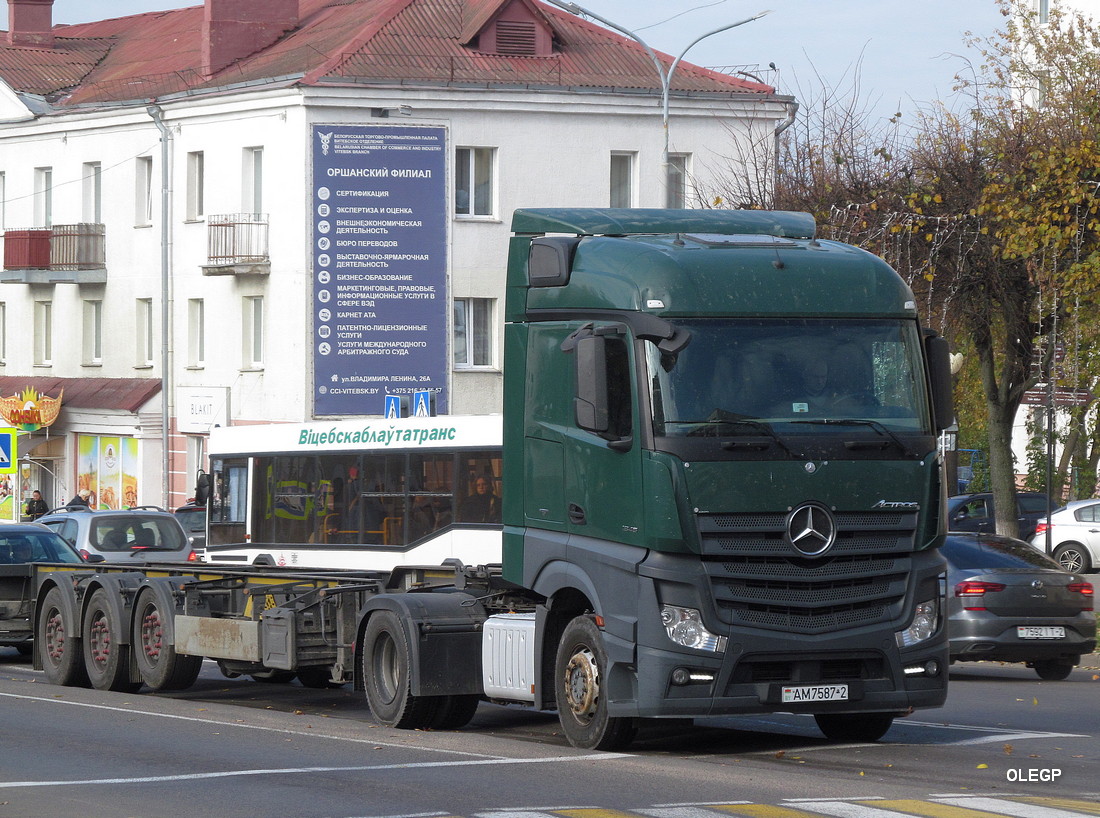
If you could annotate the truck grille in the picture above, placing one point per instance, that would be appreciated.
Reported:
(759, 580)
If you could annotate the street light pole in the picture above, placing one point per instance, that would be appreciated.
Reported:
(665, 75)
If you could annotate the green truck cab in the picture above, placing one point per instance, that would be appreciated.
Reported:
(721, 471)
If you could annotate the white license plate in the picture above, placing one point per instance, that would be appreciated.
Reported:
(1041, 632)
(816, 693)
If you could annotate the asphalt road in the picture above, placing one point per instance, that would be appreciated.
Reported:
(1006, 744)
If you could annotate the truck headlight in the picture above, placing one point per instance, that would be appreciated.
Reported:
(925, 622)
(685, 627)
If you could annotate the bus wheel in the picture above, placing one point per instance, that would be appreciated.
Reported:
(580, 674)
(159, 664)
(386, 676)
(854, 726)
(106, 658)
(59, 643)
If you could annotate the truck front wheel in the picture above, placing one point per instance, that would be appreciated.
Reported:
(580, 679)
(386, 676)
(58, 638)
(854, 726)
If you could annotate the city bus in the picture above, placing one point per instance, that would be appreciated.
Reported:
(367, 494)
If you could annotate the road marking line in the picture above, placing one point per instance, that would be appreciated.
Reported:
(697, 811)
(763, 811)
(1015, 808)
(1065, 803)
(932, 809)
(155, 779)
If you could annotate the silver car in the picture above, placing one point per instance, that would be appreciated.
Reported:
(1074, 536)
(146, 534)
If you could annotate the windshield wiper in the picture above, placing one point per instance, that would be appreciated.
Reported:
(715, 421)
(863, 444)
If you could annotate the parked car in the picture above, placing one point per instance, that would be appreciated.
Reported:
(144, 534)
(193, 519)
(1074, 535)
(20, 545)
(976, 512)
(1007, 602)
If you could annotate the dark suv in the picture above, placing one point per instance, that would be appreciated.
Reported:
(144, 534)
(976, 512)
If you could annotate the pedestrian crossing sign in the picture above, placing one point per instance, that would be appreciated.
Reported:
(9, 457)
(422, 405)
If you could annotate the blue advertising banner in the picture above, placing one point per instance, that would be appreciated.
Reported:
(379, 266)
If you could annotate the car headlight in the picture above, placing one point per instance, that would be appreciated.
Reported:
(685, 627)
(926, 620)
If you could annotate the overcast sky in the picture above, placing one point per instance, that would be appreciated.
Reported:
(905, 48)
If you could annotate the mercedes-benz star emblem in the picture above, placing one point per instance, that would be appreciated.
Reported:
(811, 529)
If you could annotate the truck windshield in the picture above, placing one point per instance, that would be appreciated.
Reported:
(784, 378)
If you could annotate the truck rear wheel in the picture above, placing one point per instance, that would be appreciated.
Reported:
(854, 726)
(159, 664)
(386, 676)
(106, 658)
(58, 640)
(580, 678)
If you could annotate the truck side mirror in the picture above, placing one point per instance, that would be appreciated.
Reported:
(590, 401)
(939, 372)
(202, 488)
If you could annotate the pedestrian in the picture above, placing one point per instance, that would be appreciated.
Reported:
(36, 506)
(81, 499)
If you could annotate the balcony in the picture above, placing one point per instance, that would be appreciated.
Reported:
(236, 244)
(61, 254)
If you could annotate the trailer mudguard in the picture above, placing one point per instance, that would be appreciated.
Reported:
(443, 630)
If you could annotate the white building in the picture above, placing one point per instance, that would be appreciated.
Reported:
(170, 303)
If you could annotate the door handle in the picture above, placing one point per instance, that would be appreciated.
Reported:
(576, 514)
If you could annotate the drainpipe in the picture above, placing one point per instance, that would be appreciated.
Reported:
(157, 113)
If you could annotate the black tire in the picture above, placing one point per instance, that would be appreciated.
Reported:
(26, 649)
(386, 676)
(159, 664)
(854, 726)
(580, 671)
(1073, 557)
(1053, 670)
(318, 677)
(454, 712)
(274, 677)
(58, 640)
(106, 659)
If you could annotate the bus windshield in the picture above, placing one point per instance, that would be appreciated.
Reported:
(792, 377)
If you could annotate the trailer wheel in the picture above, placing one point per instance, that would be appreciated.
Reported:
(454, 712)
(106, 658)
(854, 726)
(580, 674)
(159, 664)
(386, 676)
(59, 643)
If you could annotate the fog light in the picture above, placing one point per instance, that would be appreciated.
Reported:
(932, 668)
(681, 676)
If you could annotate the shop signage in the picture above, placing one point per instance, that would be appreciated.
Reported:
(30, 411)
(199, 409)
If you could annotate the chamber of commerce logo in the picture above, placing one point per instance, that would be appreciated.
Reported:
(811, 529)
(30, 411)
(326, 141)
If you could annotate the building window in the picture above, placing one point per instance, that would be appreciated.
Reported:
(144, 332)
(3, 199)
(43, 197)
(196, 332)
(252, 181)
(676, 183)
(622, 179)
(253, 332)
(473, 333)
(92, 193)
(3, 333)
(195, 185)
(474, 181)
(143, 192)
(92, 352)
(1043, 8)
(43, 333)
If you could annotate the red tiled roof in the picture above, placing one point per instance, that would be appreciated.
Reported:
(407, 41)
(127, 394)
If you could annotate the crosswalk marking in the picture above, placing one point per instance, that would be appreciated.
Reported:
(930, 809)
(763, 811)
(1001, 806)
(1063, 803)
